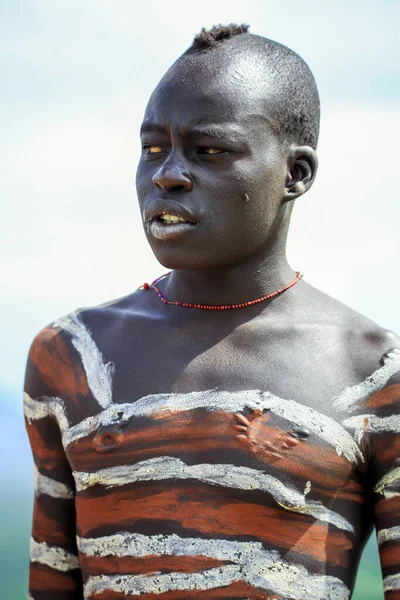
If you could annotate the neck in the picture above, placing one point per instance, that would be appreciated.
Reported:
(231, 284)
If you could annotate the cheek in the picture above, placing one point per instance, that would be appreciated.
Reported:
(143, 181)
(262, 180)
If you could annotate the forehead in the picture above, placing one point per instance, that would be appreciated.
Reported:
(200, 91)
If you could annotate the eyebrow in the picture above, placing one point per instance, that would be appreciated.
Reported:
(206, 130)
(148, 127)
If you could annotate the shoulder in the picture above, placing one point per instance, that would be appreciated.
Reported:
(57, 352)
(372, 345)
(374, 354)
(74, 323)
(365, 342)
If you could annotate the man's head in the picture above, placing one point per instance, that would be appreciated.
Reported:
(236, 117)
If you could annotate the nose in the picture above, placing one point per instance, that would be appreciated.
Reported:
(171, 177)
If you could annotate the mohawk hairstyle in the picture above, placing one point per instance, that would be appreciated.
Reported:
(209, 38)
(298, 109)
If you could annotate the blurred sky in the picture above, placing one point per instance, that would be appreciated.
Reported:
(75, 80)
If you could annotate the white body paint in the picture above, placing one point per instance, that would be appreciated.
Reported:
(388, 535)
(260, 568)
(388, 480)
(47, 406)
(51, 487)
(391, 582)
(225, 475)
(352, 395)
(374, 424)
(99, 374)
(53, 556)
(321, 425)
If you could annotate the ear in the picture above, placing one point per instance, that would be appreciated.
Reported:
(302, 169)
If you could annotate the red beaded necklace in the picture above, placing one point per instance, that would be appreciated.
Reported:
(147, 286)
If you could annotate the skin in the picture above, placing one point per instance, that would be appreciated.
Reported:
(302, 345)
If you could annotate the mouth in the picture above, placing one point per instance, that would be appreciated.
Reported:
(169, 219)
(168, 222)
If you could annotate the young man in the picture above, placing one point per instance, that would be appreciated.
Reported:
(228, 431)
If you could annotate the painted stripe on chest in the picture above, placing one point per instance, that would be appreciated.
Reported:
(226, 475)
(321, 425)
(258, 567)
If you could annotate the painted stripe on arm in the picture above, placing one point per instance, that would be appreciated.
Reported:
(391, 583)
(51, 487)
(349, 398)
(99, 374)
(392, 534)
(53, 556)
(369, 423)
(392, 478)
(46, 406)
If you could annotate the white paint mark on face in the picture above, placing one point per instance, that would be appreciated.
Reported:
(321, 425)
(99, 374)
(388, 535)
(349, 398)
(53, 556)
(391, 582)
(360, 424)
(51, 487)
(258, 567)
(388, 481)
(226, 475)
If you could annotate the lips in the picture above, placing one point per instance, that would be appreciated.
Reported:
(168, 212)
(166, 219)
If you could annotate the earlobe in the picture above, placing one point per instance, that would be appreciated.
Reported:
(302, 169)
(296, 189)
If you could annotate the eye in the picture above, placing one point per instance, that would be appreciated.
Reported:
(211, 151)
(148, 149)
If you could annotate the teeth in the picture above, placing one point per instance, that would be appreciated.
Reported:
(172, 219)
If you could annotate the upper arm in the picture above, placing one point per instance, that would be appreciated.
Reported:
(383, 427)
(54, 567)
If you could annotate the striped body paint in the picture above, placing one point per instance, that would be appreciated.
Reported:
(207, 494)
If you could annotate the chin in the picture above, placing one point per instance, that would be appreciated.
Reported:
(172, 261)
(178, 259)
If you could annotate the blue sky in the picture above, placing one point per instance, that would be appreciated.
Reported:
(76, 77)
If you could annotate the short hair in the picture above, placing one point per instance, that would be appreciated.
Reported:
(298, 113)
